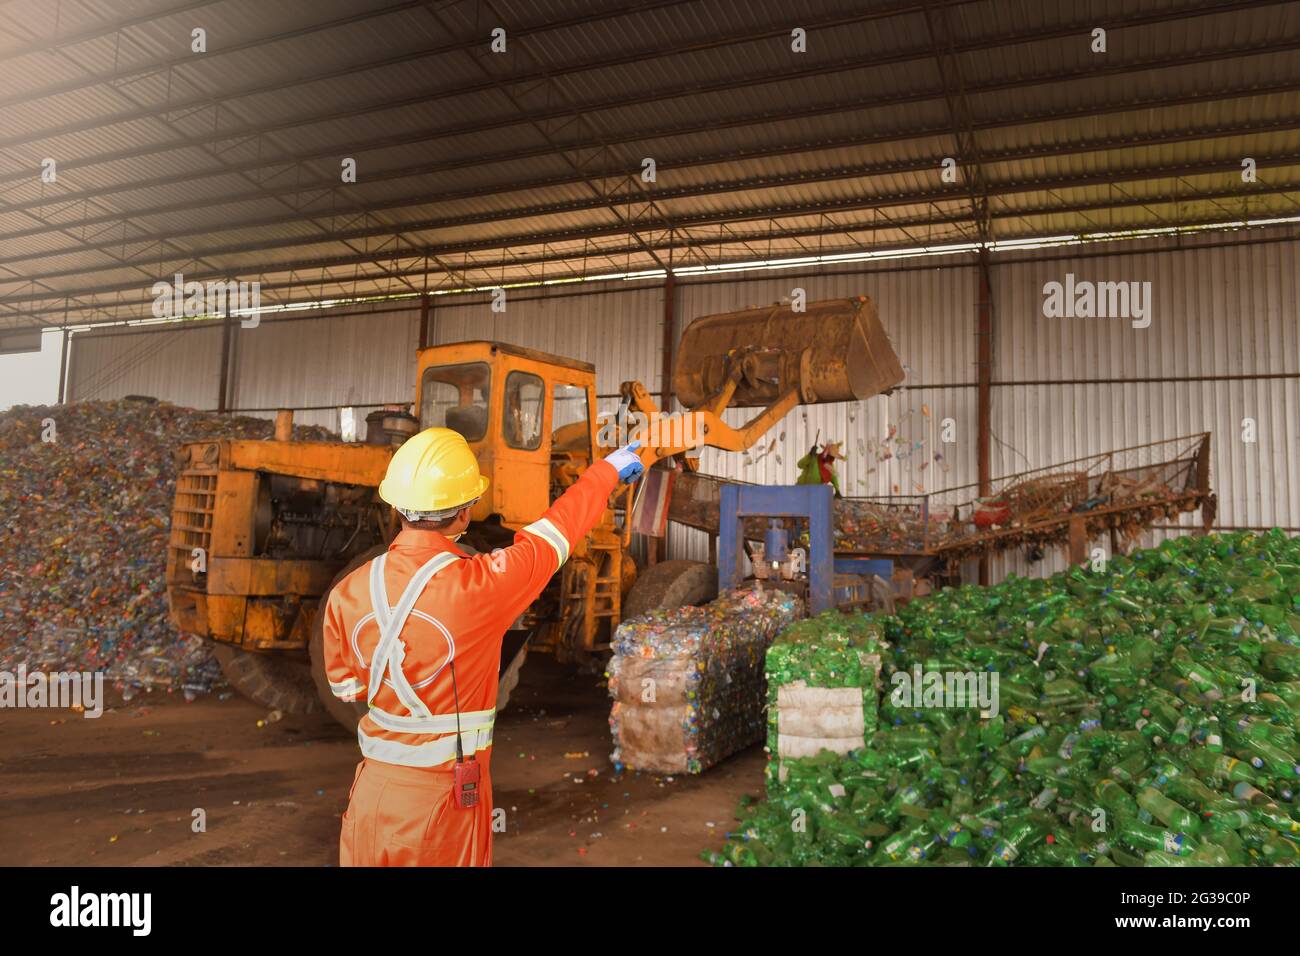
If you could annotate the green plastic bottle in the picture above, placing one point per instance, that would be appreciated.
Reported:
(993, 732)
(1129, 770)
(1196, 674)
(1143, 837)
(1190, 790)
(1213, 735)
(1274, 850)
(1270, 759)
(950, 831)
(1164, 858)
(905, 796)
(895, 848)
(1220, 766)
(1159, 718)
(1232, 845)
(1276, 819)
(1016, 835)
(1168, 812)
(1230, 820)
(1114, 798)
(1248, 794)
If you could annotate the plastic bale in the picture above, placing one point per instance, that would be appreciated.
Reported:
(687, 683)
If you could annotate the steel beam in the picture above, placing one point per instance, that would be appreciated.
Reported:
(690, 241)
(885, 200)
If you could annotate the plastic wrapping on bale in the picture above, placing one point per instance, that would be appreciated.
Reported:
(687, 682)
(86, 509)
(822, 686)
(1146, 716)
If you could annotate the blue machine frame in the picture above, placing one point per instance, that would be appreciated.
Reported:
(811, 502)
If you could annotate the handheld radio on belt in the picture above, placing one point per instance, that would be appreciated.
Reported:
(466, 777)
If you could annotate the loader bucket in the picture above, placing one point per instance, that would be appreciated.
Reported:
(834, 351)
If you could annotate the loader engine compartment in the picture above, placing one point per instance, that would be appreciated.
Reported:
(251, 552)
(312, 520)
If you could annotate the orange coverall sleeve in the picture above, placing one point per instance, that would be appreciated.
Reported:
(516, 575)
(340, 667)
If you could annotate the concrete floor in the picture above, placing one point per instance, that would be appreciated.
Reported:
(121, 790)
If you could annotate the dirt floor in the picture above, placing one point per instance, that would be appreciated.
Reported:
(122, 789)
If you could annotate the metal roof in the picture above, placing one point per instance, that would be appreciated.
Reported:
(477, 168)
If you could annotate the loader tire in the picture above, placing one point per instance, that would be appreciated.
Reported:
(671, 584)
(347, 713)
(276, 681)
(509, 678)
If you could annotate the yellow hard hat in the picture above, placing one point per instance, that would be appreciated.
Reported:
(433, 471)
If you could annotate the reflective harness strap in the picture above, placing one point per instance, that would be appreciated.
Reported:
(390, 652)
(475, 726)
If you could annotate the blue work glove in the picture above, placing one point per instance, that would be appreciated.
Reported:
(626, 461)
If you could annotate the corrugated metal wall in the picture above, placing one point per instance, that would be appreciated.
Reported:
(354, 355)
(362, 360)
(1217, 311)
(1228, 311)
(618, 329)
(178, 365)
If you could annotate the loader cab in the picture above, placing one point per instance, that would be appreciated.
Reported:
(528, 415)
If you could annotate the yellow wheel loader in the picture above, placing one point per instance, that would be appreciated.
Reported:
(261, 530)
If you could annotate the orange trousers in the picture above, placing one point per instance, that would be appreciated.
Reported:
(407, 816)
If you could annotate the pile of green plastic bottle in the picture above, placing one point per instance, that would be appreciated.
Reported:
(830, 650)
(1146, 715)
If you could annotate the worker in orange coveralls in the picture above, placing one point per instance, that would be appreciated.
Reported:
(417, 633)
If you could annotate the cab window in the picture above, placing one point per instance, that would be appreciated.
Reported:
(456, 397)
(569, 428)
(522, 411)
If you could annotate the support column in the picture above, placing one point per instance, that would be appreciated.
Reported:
(1078, 541)
(423, 341)
(63, 367)
(227, 339)
(670, 320)
(983, 425)
(657, 549)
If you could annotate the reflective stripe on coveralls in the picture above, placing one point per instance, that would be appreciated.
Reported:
(386, 666)
(349, 689)
(545, 530)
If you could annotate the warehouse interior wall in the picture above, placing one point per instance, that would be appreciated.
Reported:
(1221, 354)
(178, 363)
(617, 327)
(362, 357)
